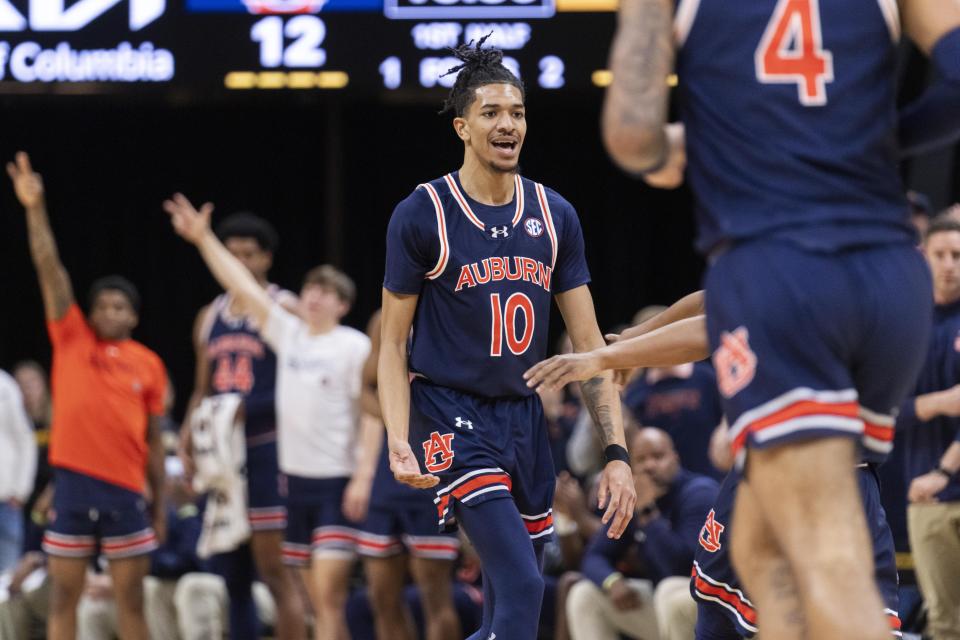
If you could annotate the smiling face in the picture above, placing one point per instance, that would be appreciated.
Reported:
(494, 126)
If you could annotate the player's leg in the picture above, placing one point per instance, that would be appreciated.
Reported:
(432, 558)
(823, 534)
(267, 513)
(386, 578)
(69, 542)
(127, 575)
(267, 548)
(434, 579)
(237, 571)
(764, 571)
(67, 576)
(385, 566)
(511, 566)
(329, 578)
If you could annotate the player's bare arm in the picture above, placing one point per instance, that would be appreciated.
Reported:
(194, 227)
(394, 387)
(156, 476)
(635, 108)
(55, 286)
(678, 343)
(689, 306)
(616, 489)
(926, 21)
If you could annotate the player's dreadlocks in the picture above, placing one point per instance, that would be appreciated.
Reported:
(479, 67)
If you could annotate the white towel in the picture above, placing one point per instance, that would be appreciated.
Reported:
(219, 453)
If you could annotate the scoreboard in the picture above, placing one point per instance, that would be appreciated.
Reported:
(211, 47)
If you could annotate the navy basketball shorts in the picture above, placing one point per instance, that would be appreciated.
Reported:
(810, 345)
(266, 504)
(484, 449)
(316, 526)
(92, 517)
(717, 588)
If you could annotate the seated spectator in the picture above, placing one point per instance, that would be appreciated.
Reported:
(653, 602)
(684, 402)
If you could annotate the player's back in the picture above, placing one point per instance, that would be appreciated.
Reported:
(790, 115)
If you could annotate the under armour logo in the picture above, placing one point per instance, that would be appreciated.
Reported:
(461, 423)
(499, 232)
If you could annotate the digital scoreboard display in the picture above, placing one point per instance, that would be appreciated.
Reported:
(219, 46)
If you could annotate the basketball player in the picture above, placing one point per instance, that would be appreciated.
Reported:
(472, 261)
(108, 395)
(320, 364)
(724, 611)
(231, 357)
(817, 302)
(400, 530)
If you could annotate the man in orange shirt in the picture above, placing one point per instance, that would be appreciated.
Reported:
(105, 440)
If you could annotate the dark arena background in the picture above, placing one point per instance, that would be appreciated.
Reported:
(319, 115)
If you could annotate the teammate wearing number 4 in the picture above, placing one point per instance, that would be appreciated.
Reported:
(817, 302)
(472, 261)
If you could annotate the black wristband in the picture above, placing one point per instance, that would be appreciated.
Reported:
(944, 472)
(616, 452)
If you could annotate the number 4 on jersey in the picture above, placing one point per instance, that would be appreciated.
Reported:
(791, 51)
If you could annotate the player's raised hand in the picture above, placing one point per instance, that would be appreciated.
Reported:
(190, 224)
(405, 467)
(558, 371)
(618, 493)
(27, 183)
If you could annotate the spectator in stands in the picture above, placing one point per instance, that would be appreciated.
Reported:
(32, 380)
(672, 504)
(681, 400)
(929, 423)
(18, 464)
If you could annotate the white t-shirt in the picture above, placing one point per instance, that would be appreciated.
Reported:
(318, 395)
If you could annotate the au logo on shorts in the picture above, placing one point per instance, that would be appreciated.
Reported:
(710, 533)
(438, 451)
(734, 361)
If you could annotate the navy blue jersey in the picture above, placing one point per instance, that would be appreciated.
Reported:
(484, 275)
(926, 442)
(790, 115)
(241, 362)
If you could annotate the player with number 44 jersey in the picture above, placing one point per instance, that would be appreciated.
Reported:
(473, 260)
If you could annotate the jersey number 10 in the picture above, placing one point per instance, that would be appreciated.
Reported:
(791, 51)
(504, 322)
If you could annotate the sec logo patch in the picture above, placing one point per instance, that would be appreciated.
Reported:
(533, 227)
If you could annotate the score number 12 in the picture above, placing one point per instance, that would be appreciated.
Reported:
(307, 34)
